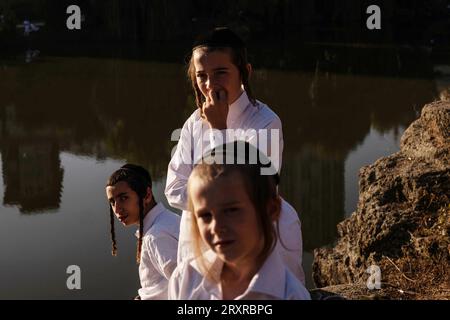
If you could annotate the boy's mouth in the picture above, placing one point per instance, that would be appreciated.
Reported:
(122, 218)
(223, 243)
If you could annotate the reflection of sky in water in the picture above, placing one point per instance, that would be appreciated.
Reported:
(36, 254)
(374, 146)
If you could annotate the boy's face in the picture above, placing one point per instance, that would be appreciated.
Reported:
(226, 218)
(215, 72)
(124, 202)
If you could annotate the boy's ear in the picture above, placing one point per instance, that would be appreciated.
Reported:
(250, 70)
(149, 196)
(274, 208)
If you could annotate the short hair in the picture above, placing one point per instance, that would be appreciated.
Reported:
(221, 37)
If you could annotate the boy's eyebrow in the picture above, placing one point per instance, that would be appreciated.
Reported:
(230, 203)
(215, 69)
(119, 195)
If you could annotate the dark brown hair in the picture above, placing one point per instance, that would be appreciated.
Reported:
(225, 40)
(138, 179)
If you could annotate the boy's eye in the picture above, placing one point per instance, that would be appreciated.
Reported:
(231, 210)
(123, 198)
(205, 217)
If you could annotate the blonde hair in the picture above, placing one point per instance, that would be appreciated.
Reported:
(261, 189)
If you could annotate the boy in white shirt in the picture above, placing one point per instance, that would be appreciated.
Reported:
(220, 74)
(129, 192)
(235, 211)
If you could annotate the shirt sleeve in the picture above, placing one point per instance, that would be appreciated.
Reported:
(175, 283)
(153, 284)
(158, 260)
(290, 233)
(180, 168)
(163, 250)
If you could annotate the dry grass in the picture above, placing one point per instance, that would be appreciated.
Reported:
(423, 270)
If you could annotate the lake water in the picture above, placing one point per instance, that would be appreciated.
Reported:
(67, 122)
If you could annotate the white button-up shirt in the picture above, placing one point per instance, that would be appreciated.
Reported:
(290, 247)
(196, 139)
(273, 281)
(159, 252)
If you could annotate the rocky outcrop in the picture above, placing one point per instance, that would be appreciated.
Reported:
(402, 222)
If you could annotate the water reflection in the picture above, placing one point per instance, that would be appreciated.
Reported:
(99, 108)
(63, 121)
(127, 110)
(31, 54)
(32, 175)
(326, 116)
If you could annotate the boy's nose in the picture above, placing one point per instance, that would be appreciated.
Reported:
(218, 226)
(211, 84)
(117, 209)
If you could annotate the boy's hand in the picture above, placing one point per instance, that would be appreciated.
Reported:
(215, 109)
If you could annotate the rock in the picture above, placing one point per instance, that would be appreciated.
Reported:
(402, 222)
(355, 291)
(444, 95)
(429, 137)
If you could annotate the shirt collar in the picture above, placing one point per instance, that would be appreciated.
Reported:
(237, 108)
(150, 218)
(269, 280)
(214, 266)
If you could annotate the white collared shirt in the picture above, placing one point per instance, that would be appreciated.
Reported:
(273, 281)
(197, 138)
(290, 248)
(159, 252)
(241, 115)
